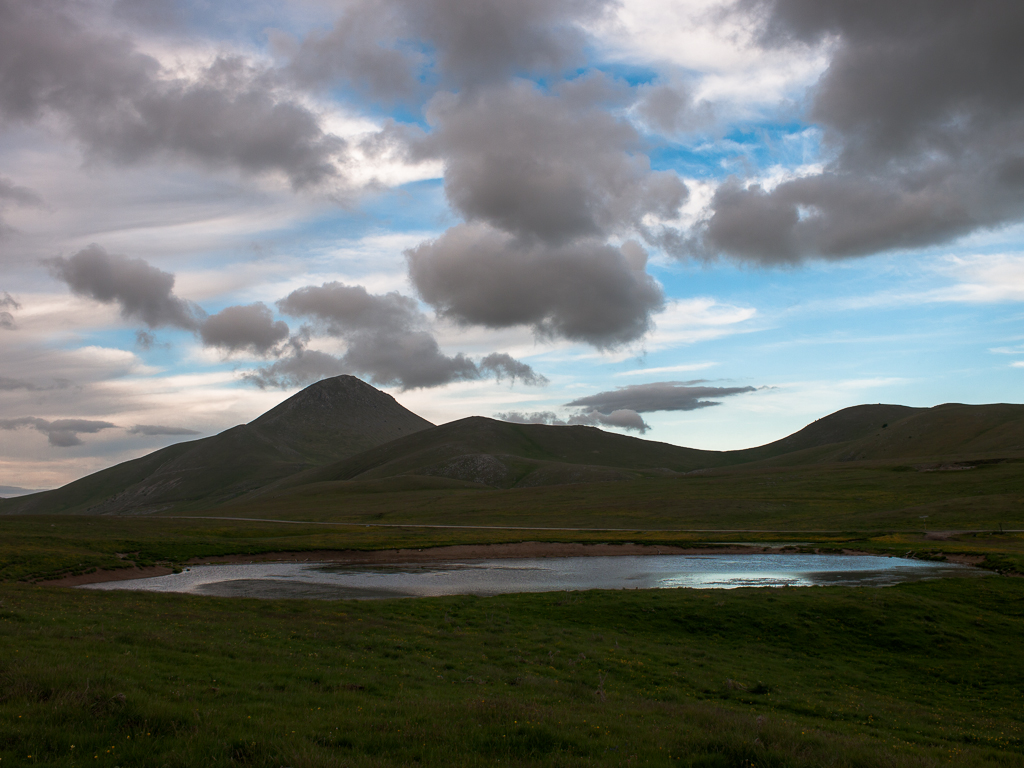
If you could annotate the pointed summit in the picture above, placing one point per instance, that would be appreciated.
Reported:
(327, 421)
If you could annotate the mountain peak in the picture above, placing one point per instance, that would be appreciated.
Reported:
(327, 396)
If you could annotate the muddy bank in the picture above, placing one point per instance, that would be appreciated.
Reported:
(96, 577)
(522, 549)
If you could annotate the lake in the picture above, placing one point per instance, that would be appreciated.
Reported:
(332, 581)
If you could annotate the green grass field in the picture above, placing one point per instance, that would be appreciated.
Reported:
(926, 674)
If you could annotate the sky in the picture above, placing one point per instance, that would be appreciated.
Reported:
(702, 222)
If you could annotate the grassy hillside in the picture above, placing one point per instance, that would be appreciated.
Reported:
(331, 419)
(500, 454)
(291, 455)
(491, 453)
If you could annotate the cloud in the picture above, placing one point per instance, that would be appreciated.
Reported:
(924, 115)
(539, 166)
(504, 366)
(386, 49)
(536, 417)
(544, 180)
(387, 339)
(623, 419)
(62, 433)
(248, 327)
(11, 193)
(122, 105)
(622, 407)
(10, 385)
(584, 291)
(657, 396)
(300, 368)
(6, 318)
(157, 429)
(142, 291)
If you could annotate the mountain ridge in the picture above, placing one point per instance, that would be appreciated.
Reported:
(346, 435)
(326, 421)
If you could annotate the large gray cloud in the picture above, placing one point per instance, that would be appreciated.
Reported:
(543, 182)
(62, 433)
(923, 109)
(387, 49)
(540, 166)
(657, 396)
(387, 340)
(143, 292)
(585, 290)
(249, 327)
(121, 105)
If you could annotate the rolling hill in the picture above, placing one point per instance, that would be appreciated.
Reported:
(329, 420)
(342, 435)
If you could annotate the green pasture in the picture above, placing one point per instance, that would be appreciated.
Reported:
(926, 674)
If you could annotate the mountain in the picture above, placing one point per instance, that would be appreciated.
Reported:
(7, 491)
(343, 435)
(499, 454)
(327, 421)
(948, 432)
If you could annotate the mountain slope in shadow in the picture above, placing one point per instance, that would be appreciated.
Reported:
(344, 435)
(327, 421)
(497, 454)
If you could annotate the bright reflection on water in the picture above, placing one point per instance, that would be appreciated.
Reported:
(328, 581)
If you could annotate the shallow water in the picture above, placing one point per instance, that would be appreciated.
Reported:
(328, 581)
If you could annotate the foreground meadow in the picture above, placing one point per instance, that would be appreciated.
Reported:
(922, 674)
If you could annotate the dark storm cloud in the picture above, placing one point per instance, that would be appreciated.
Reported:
(62, 433)
(623, 419)
(584, 291)
(142, 291)
(923, 106)
(387, 48)
(248, 327)
(657, 396)
(157, 429)
(121, 105)
(540, 167)
(387, 340)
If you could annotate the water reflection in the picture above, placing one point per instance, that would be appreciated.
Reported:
(325, 581)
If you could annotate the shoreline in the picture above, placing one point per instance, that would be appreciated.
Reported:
(512, 550)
